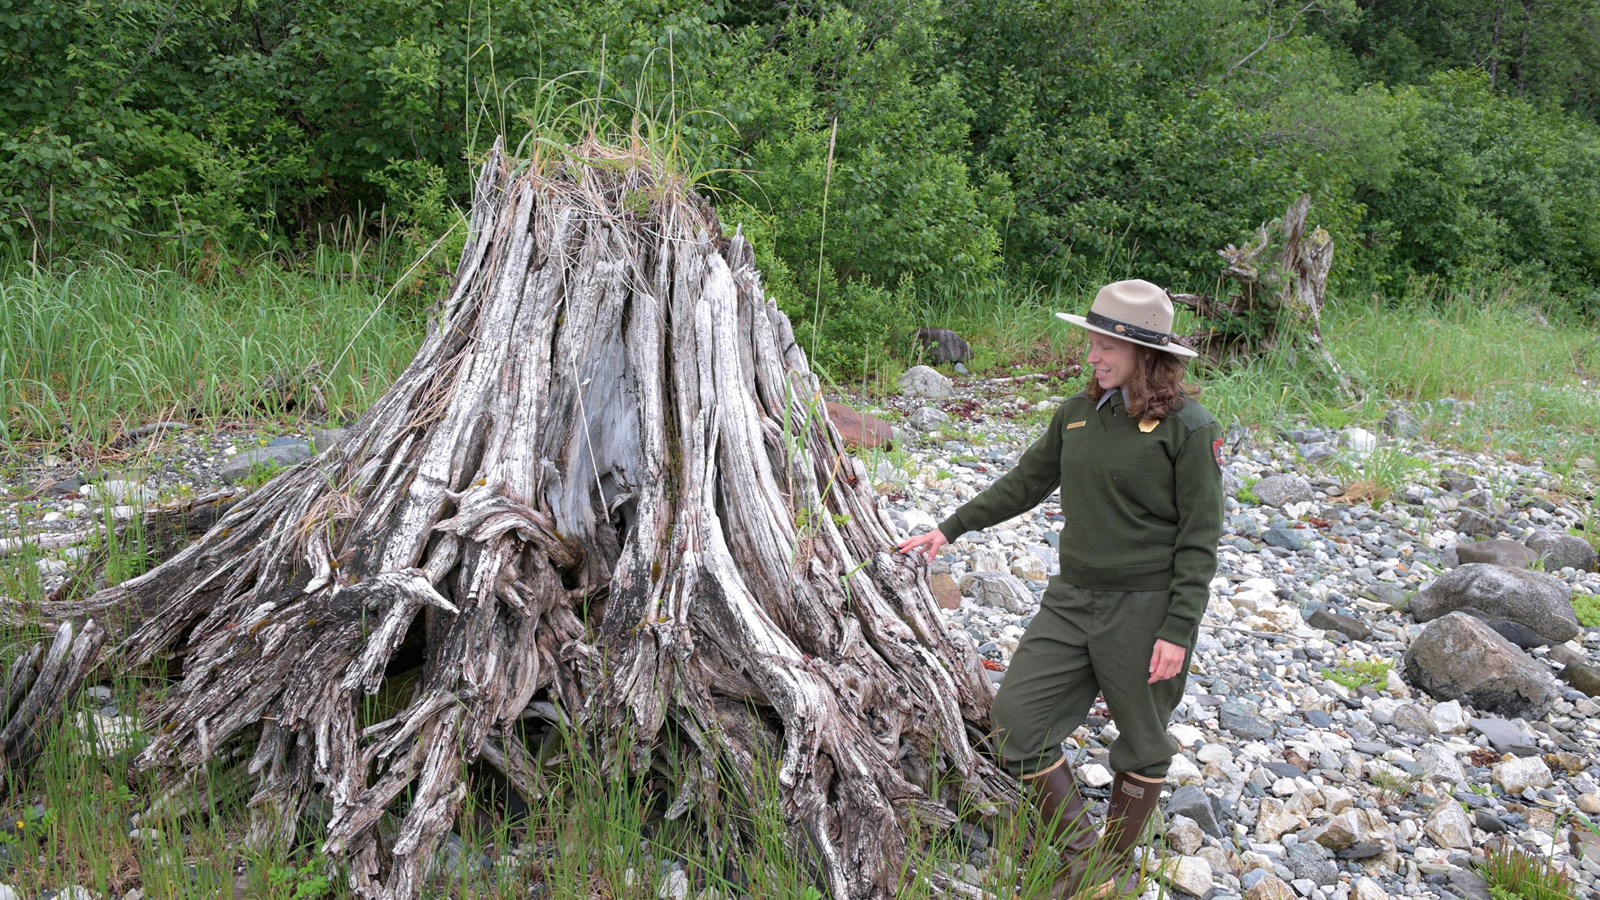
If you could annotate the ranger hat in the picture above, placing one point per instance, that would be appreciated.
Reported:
(1136, 311)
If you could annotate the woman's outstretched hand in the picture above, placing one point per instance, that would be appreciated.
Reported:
(928, 543)
(1165, 661)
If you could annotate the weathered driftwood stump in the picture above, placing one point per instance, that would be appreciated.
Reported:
(605, 485)
(1278, 283)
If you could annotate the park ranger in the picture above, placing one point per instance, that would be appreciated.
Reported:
(1138, 462)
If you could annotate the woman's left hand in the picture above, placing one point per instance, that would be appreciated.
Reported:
(1166, 661)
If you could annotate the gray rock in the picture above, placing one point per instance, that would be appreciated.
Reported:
(1286, 538)
(1460, 658)
(1563, 551)
(1496, 552)
(323, 438)
(275, 456)
(943, 345)
(1488, 821)
(1399, 421)
(1480, 524)
(1469, 885)
(1576, 670)
(1505, 736)
(922, 381)
(1541, 602)
(1349, 626)
(1310, 861)
(1191, 802)
(1001, 590)
(927, 419)
(1278, 490)
(1242, 719)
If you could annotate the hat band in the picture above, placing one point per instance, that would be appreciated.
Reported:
(1128, 330)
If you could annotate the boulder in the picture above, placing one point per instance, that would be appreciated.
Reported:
(1496, 552)
(1562, 551)
(1280, 490)
(922, 381)
(941, 345)
(1458, 657)
(859, 429)
(1541, 602)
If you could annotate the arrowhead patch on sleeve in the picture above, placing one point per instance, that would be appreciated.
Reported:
(1216, 451)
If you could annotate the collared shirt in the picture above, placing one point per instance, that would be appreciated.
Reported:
(1106, 398)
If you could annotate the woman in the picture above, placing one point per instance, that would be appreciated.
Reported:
(1139, 467)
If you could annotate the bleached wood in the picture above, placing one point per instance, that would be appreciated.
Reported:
(605, 489)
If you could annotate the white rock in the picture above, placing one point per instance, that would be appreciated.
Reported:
(1274, 821)
(1450, 827)
(1184, 836)
(1589, 803)
(1029, 568)
(1095, 775)
(1517, 775)
(1336, 799)
(1359, 441)
(117, 491)
(1367, 889)
(7, 892)
(1339, 832)
(54, 516)
(1183, 771)
(77, 892)
(1449, 718)
(1287, 787)
(675, 886)
(986, 560)
(1186, 735)
(918, 519)
(1190, 874)
(1441, 764)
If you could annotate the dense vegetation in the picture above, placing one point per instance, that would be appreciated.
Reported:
(876, 149)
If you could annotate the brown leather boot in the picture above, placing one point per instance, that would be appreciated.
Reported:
(1133, 800)
(1063, 817)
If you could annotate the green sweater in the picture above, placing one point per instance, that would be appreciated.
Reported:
(1143, 511)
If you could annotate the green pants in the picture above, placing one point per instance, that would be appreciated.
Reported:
(1082, 644)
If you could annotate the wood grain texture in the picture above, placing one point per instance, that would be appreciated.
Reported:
(606, 487)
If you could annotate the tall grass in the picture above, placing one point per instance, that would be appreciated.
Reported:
(90, 350)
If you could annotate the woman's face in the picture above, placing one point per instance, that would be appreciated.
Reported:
(1113, 360)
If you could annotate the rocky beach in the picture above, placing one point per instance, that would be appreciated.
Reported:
(1385, 688)
(1381, 691)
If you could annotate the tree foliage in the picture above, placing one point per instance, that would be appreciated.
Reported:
(870, 148)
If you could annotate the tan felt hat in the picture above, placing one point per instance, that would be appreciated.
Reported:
(1134, 310)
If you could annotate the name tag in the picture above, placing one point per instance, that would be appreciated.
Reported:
(1072, 425)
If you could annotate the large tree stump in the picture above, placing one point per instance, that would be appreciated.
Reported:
(604, 485)
(1278, 282)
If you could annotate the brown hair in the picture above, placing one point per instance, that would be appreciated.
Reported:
(1156, 389)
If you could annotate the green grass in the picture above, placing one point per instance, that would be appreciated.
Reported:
(89, 349)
